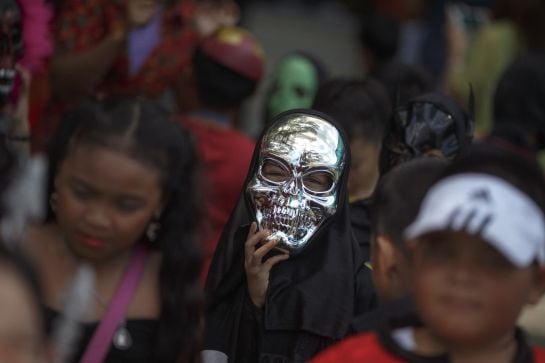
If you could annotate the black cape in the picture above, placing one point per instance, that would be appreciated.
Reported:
(361, 225)
(312, 297)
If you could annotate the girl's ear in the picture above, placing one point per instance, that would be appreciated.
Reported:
(539, 285)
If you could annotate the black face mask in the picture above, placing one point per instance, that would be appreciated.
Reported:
(428, 127)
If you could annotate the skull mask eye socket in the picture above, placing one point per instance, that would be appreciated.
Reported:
(315, 181)
(318, 181)
(274, 171)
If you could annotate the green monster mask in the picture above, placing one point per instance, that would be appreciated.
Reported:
(295, 84)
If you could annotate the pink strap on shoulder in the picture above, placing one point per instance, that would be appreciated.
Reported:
(100, 343)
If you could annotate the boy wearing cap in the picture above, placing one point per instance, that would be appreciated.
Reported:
(477, 257)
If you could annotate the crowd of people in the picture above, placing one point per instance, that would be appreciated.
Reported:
(396, 217)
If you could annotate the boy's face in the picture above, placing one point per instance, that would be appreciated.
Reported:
(466, 291)
(364, 168)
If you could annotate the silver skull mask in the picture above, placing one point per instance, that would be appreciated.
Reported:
(295, 187)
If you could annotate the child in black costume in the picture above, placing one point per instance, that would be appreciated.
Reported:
(279, 308)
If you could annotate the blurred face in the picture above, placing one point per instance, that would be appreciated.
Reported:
(21, 338)
(364, 168)
(466, 292)
(105, 200)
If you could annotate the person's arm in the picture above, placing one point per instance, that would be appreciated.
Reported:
(257, 270)
(76, 74)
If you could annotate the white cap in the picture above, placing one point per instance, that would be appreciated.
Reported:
(485, 205)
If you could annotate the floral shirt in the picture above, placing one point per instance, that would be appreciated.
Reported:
(82, 24)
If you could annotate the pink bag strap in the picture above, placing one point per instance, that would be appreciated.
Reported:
(102, 338)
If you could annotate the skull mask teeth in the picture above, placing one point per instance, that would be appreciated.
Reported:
(302, 144)
(280, 217)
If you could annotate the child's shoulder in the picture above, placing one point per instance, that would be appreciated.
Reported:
(360, 348)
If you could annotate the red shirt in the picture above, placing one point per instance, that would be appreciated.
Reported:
(371, 348)
(226, 154)
(358, 349)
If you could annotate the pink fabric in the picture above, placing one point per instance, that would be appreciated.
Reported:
(36, 35)
(102, 338)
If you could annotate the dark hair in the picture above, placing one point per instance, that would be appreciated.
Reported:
(8, 166)
(522, 173)
(399, 194)
(405, 81)
(520, 94)
(218, 86)
(380, 34)
(527, 16)
(361, 108)
(145, 131)
(512, 137)
(502, 9)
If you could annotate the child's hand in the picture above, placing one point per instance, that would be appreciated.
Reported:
(257, 271)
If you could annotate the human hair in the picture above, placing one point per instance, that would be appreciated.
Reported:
(219, 86)
(519, 97)
(399, 194)
(522, 173)
(513, 137)
(361, 108)
(405, 81)
(8, 166)
(380, 35)
(527, 16)
(144, 131)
